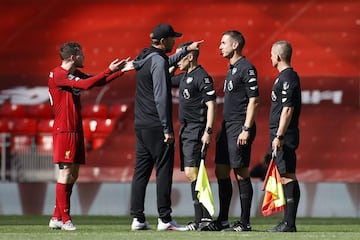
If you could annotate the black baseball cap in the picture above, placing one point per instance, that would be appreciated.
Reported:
(164, 30)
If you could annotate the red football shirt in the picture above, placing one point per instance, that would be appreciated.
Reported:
(64, 89)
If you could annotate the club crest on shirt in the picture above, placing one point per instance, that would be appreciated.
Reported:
(189, 80)
(206, 80)
(186, 93)
(233, 71)
(230, 86)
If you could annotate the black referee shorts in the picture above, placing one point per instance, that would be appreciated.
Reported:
(227, 150)
(190, 144)
(286, 156)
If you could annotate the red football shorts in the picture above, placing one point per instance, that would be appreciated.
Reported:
(69, 147)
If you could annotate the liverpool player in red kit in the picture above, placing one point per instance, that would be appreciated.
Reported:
(65, 84)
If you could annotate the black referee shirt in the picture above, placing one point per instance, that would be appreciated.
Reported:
(195, 89)
(286, 92)
(240, 85)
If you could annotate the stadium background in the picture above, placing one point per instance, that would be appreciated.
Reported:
(324, 34)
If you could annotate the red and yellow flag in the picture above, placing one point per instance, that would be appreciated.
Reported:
(274, 199)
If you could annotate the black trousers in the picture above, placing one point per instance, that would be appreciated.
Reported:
(152, 151)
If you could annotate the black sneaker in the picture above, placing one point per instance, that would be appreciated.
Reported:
(203, 224)
(192, 226)
(282, 227)
(239, 227)
(215, 226)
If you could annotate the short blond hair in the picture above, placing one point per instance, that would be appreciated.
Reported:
(284, 50)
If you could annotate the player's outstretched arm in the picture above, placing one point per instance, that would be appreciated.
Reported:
(194, 46)
(117, 64)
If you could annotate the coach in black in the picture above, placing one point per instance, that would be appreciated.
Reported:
(233, 148)
(153, 126)
(284, 130)
(197, 109)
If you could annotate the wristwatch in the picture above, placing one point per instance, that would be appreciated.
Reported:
(209, 130)
(245, 128)
(280, 137)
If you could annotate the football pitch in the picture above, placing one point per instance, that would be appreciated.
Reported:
(112, 227)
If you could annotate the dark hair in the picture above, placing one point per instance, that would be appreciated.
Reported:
(237, 36)
(68, 49)
(195, 53)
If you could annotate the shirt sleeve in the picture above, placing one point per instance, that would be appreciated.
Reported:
(80, 81)
(250, 78)
(207, 89)
(162, 94)
(175, 58)
(287, 92)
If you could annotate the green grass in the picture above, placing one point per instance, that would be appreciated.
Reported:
(112, 227)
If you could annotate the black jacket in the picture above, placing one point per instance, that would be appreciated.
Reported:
(153, 100)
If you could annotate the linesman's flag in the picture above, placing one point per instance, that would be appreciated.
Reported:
(274, 199)
(204, 191)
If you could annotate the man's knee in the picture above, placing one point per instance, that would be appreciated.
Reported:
(68, 173)
(191, 173)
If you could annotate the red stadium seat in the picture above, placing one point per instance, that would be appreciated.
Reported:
(44, 137)
(94, 111)
(10, 110)
(89, 126)
(45, 126)
(118, 111)
(42, 110)
(4, 126)
(96, 131)
(104, 128)
(23, 126)
(23, 132)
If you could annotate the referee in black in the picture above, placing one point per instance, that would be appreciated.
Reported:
(197, 110)
(233, 148)
(284, 131)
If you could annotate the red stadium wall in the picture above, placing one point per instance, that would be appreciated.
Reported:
(324, 35)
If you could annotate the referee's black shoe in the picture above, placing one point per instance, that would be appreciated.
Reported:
(192, 226)
(282, 227)
(215, 226)
(204, 223)
(239, 227)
